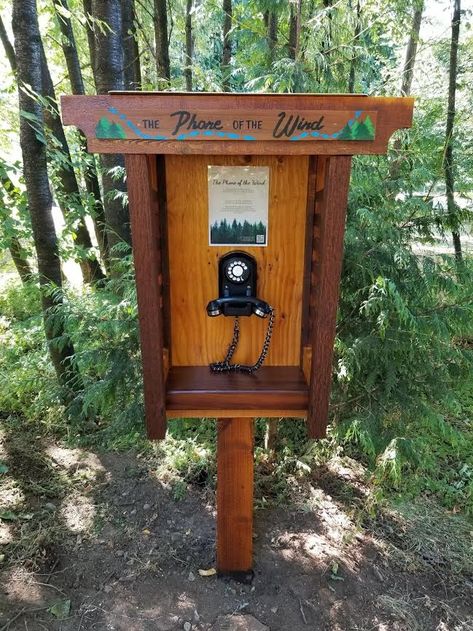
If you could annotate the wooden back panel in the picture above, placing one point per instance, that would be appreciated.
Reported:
(197, 339)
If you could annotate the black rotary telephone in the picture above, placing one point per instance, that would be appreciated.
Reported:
(237, 297)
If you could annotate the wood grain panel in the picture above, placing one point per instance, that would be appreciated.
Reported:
(145, 227)
(259, 413)
(239, 125)
(272, 387)
(234, 495)
(85, 111)
(196, 338)
(329, 228)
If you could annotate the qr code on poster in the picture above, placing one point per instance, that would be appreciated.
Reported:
(260, 238)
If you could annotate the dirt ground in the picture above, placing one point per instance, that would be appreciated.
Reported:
(98, 541)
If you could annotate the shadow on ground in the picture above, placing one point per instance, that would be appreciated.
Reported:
(99, 541)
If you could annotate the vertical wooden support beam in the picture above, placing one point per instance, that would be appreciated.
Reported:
(329, 227)
(235, 497)
(146, 235)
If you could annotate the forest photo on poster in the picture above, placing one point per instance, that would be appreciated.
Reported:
(238, 233)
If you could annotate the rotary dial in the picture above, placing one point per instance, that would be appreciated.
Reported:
(237, 271)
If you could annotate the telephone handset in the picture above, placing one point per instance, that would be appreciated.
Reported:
(237, 297)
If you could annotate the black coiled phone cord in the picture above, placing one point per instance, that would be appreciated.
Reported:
(226, 366)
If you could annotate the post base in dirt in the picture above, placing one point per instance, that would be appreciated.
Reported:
(235, 498)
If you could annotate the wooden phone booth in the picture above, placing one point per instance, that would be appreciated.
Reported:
(237, 205)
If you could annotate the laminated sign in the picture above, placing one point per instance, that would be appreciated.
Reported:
(238, 205)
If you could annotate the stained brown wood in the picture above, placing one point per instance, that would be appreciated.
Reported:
(86, 111)
(298, 271)
(329, 226)
(308, 247)
(144, 212)
(306, 361)
(260, 412)
(234, 495)
(271, 388)
(160, 174)
(235, 125)
(198, 339)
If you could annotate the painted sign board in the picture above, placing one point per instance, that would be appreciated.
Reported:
(247, 125)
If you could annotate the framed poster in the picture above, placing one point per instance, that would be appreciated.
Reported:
(238, 205)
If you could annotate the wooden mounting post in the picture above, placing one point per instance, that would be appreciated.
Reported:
(235, 497)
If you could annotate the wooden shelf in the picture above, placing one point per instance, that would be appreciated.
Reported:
(271, 388)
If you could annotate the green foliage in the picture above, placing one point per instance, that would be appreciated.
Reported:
(103, 327)
(18, 304)
(14, 218)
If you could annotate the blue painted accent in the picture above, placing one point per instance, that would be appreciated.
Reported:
(221, 134)
(139, 132)
(303, 135)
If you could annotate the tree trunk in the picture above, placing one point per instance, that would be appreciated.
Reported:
(271, 23)
(68, 45)
(163, 67)
(108, 66)
(77, 86)
(327, 42)
(271, 435)
(108, 75)
(9, 50)
(68, 184)
(20, 260)
(89, 265)
(294, 28)
(89, 29)
(227, 45)
(28, 57)
(448, 162)
(131, 53)
(98, 214)
(411, 52)
(17, 252)
(189, 46)
(15, 248)
(356, 35)
(406, 84)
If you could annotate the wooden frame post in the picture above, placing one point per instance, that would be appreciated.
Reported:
(235, 470)
(327, 256)
(146, 235)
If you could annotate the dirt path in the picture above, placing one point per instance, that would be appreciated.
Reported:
(103, 532)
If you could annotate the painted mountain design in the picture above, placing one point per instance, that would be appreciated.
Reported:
(358, 130)
(107, 129)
